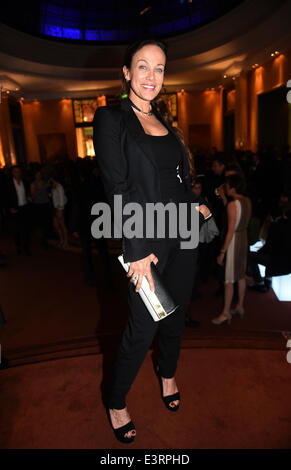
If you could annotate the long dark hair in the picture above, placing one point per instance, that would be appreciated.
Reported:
(236, 181)
(132, 49)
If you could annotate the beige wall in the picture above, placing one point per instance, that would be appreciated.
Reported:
(194, 108)
(273, 74)
(7, 152)
(48, 117)
(202, 107)
(205, 107)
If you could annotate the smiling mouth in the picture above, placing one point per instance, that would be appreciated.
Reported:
(148, 87)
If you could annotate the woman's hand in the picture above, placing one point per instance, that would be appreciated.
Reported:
(204, 210)
(220, 259)
(140, 268)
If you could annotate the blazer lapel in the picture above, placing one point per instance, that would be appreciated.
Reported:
(136, 129)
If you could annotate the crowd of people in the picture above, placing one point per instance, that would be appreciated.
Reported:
(57, 198)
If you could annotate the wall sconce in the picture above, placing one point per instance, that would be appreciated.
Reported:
(275, 54)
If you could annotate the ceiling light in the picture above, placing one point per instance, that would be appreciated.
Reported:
(142, 12)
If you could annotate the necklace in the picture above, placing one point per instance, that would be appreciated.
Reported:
(148, 114)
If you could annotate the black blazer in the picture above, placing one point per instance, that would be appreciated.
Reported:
(128, 166)
(12, 199)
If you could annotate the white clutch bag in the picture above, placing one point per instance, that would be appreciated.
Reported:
(159, 303)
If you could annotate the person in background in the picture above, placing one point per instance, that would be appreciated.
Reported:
(207, 240)
(59, 201)
(235, 247)
(19, 206)
(41, 206)
(90, 192)
(275, 254)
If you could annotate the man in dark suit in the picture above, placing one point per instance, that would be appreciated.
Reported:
(89, 192)
(18, 195)
(275, 254)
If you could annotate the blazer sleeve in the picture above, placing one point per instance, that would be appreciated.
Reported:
(11, 196)
(113, 165)
(200, 201)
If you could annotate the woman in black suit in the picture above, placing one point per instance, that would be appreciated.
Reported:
(141, 158)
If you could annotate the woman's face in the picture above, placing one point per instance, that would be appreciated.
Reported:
(229, 191)
(197, 189)
(146, 72)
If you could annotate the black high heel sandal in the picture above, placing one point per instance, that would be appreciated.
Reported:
(120, 432)
(169, 398)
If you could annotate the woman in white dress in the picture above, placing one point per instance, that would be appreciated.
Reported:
(235, 247)
(59, 201)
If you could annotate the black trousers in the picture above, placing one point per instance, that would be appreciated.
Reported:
(42, 217)
(177, 267)
(87, 256)
(254, 259)
(21, 225)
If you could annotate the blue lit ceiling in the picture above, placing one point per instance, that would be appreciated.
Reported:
(115, 20)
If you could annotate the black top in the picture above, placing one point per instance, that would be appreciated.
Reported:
(168, 157)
